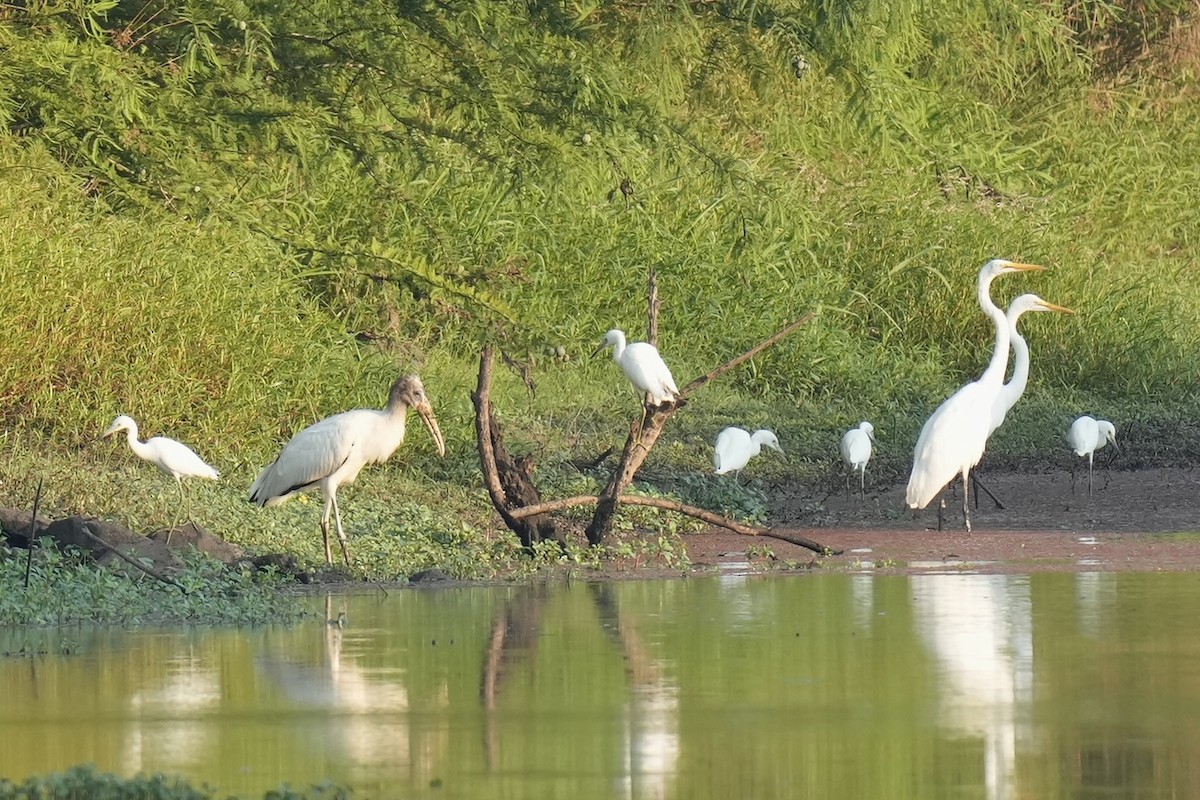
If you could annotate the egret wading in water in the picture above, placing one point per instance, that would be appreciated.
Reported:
(954, 437)
(736, 446)
(644, 367)
(856, 452)
(1015, 388)
(331, 452)
(172, 457)
(1086, 436)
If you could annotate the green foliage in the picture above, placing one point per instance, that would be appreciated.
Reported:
(87, 781)
(65, 590)
(234, 218)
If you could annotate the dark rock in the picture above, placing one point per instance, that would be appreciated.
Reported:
(433, 575)
(192, 535)
(14, 526)
(72, 532)
(283, 563)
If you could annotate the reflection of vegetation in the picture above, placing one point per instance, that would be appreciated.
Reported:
(87, 781)
(65, 590)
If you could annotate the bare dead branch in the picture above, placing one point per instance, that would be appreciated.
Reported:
(654, 305)
(746, 356)
(682, 508)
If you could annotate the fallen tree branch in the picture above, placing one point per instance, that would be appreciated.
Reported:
(682, 508)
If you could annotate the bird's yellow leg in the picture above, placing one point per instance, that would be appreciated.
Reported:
(183, 507)
(337, 516)
(325, 530)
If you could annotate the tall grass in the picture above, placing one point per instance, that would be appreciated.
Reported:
(509, 173)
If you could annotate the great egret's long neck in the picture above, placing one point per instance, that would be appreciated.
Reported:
(1020, 350)
(999, 363)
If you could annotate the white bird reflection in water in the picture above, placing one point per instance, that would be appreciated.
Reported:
(979, 628)
(1094, 591)
(366, 710)
(173, 726)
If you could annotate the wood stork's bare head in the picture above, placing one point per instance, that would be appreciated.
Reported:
(409, 392)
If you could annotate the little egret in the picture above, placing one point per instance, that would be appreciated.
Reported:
(953, 439)
(172, 457)
(856, 452)
(1086, 436)
(331, 452)
(644, 367)
(735, 447)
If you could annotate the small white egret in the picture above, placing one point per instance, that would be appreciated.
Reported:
(1012, 391)
(736, 446)
(1086, 436)
(331, 452)
(172, 457)
(856, 452)
(954, 437)
(644, 367)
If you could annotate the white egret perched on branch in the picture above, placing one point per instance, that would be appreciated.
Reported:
(856, 452)
(172, 457)
(736, 446)
(953, 439)
(644, 367)
(331, 452)
(1086, 436)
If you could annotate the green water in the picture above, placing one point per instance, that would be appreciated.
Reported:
(823, 686)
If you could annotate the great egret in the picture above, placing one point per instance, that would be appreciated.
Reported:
(1012, 391)
(856, 452)
(736, 446)
(644, 367)
(172, 457)
(1015, 388)
(331, 452)
(1086, 436)
(953, 439)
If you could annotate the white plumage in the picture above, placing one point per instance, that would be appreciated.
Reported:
(1012, 391)
(1087, 435)
(331, 452)
(954, 437)
(644, 367)
(172, 457)
(736, 446)
(856, 451)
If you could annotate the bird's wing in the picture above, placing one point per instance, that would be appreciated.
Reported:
(733, 448)
(312, 454)
(646, 369)
(179, 459)
(953, 437)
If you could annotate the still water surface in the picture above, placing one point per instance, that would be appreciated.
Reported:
(829, 686)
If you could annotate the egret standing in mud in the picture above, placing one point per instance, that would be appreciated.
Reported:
(644, 367)
(856, 452)
(736, 446)
(172, 457)
(1086, 436)
(331, 452)
(954, 437)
